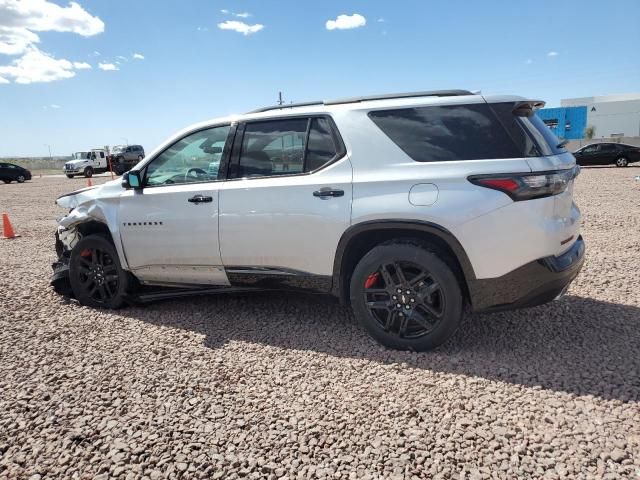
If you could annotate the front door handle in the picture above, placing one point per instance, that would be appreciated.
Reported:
(328, 192)
(200, 199)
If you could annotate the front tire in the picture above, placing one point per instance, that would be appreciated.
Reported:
(406, 297)
(88, 172)
(96, 277)
(20, 179)
(140, 157)
(622, 162)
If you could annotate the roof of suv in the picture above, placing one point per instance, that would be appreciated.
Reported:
(395, 100)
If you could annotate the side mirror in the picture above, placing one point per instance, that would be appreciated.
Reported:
(132, 179)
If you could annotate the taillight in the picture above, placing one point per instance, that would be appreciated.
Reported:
(527, 186)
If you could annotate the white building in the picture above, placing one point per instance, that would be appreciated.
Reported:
(611, 115)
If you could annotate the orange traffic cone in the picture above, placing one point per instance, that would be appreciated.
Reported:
(7, 229)
(89, 184)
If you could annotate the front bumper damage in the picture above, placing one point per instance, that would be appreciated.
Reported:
(65, 241)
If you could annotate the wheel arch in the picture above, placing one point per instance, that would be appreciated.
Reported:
(361, 238)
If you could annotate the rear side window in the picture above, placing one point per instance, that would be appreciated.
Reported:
(286, 147)
(446, 133)
(320, 148)
(273, 148)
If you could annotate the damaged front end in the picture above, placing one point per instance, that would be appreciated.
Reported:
(66, 239)
(90, 211)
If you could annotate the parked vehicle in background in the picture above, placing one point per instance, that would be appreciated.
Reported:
(87, 163)
(10, 173)
(618, 154)
(408, 207)
(123, 157)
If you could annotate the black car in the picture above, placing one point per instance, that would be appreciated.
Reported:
(618, 154)
(10, 172)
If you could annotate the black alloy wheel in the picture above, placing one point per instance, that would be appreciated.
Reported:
(406, 296)
(405, 299)
(97, 279)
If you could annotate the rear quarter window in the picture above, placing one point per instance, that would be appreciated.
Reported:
(447, 133)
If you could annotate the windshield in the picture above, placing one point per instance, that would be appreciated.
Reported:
(80, 155)
(118, 149)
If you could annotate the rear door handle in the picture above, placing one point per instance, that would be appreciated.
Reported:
(200, 199)
(328, 192)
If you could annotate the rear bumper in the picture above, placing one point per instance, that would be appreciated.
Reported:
(532, 284)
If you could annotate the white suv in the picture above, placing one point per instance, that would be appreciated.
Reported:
(410, 207)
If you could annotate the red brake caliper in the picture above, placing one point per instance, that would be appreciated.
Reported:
(85, 253)
(371, 280)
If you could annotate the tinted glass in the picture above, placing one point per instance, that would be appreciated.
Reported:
(274, 147)
(320, 147)
(194, 158)
(590, 149)
(545, 138)
(442, 133)
(511, 123)
(608, 147)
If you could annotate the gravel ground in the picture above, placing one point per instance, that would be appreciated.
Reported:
(288, 386)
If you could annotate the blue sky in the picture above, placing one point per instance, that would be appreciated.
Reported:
(192, 70)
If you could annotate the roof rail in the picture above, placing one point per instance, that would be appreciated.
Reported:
(288, 105)
(430, 93)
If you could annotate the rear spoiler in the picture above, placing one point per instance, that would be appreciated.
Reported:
(527, 108)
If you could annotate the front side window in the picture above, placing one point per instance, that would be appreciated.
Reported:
(447, 133)
(194, 158)
(590, 149)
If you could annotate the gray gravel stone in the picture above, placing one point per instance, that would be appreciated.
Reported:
(289, 386)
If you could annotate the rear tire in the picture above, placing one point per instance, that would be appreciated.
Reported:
(95, 274)
(69, 176)
(7, 181)
(622, 162)
(88, 172)
(406, 297)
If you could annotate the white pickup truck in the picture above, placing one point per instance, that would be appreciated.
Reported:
(87, 163)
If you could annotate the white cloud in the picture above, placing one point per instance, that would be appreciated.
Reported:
(36, 66)
(529, 61)
(14, 41)
(345, 22)
(124, 59)
(96, 53)
(55, 106)
(81, 65)
(381, 20)
(108, 67)
(240, 27)
(3, 80)
(202, 29)
(239, 15)
(45, 16)
(137, 56)
(552, 54)
(20, 19)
